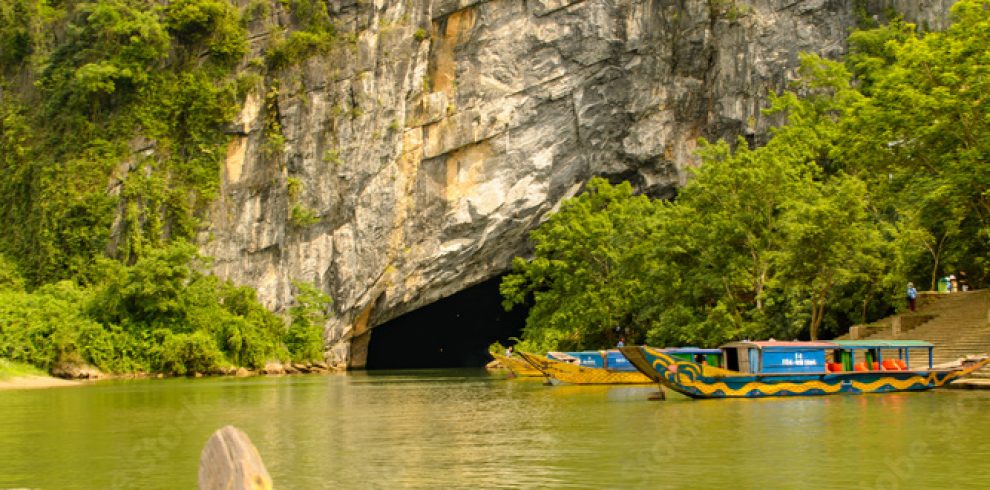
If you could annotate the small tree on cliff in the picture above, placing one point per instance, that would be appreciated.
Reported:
(308, 315)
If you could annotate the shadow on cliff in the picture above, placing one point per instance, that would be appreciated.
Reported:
(452, 332)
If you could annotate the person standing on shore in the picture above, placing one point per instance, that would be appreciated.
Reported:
(912, 295)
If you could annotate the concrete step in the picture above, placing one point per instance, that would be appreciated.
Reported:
(959, 326)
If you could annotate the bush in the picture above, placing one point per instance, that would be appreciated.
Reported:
(195, 352)
(309, 315)
(43, 328)
(10, 277)
(297, 47)
(211, 22)
(302, 216)
(254, 334)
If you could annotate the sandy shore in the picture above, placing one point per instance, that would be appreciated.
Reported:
(25, 382)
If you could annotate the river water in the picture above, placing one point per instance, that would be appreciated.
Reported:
(471, 429)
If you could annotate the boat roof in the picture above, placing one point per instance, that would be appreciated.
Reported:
(881, 344)
(780, 344)
(691, 350)
(831, 344)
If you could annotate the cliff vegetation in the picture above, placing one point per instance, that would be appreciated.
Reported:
(113, 129)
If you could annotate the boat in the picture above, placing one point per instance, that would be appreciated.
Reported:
(566, 368)
(518, 367)
(605, 367)
(777, 368)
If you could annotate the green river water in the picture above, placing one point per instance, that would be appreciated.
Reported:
(470, 429)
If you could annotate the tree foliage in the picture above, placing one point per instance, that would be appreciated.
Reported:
(108, 161)
(308, 316)
(580, 279)
(880, 176)
(119, 73)
(922, 138)
(162, 314)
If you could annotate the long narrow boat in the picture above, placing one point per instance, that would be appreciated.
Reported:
(762, 369)
(606, 367)
(518, 367)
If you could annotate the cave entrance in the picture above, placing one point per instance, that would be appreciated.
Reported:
(452, 332)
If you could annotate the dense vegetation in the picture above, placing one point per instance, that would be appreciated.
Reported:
(881, 175)
(112, 137)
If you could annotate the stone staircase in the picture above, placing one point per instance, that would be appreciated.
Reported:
(957, 323)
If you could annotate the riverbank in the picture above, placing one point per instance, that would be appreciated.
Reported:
(16, 375)
(29, 382)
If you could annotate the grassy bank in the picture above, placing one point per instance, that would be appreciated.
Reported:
(17, 375)
(13, 369)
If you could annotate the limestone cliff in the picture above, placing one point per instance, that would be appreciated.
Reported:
(437, 133)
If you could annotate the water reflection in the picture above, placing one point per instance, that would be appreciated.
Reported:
(464, 428)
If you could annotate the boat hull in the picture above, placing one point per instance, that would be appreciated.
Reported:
(517, 367)
(558, 372)
(691, 379)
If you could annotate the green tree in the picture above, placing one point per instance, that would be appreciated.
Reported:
(829, 240)
(213, 23)
(309, 317)
(581, 282)
(924, 136)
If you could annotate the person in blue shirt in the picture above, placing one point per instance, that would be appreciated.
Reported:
(912, 295)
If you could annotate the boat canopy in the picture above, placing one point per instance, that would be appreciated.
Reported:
(711, 357)
(610, 359)
(776, 357)
(779, 345)
(883, 344)
(691, 350)
(874, 348)
(809, 357)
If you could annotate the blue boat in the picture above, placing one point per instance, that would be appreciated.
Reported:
(771, 368)
(605, 366)
(601, 359)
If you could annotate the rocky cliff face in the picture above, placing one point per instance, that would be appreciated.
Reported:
(437, 133)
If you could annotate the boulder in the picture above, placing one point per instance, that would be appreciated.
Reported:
(231, 462)
(273, 367)
(69, 370)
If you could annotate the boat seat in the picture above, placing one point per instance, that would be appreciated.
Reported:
(833, 367)
(890, 365)
(860, 366)
(901, 364)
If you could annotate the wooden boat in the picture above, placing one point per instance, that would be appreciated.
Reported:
(518, 367)
(595, 367)
(761, 369)
(566, 371)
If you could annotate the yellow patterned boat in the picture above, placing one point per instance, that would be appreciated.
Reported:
(762, 369)
(517, 367)
(566, 368)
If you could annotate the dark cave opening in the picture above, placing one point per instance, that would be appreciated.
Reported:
(452, 332)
